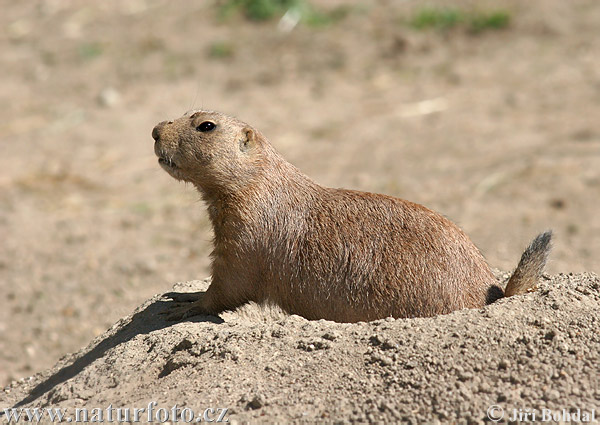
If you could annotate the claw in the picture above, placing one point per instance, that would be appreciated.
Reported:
(182, 297)
(181, 311)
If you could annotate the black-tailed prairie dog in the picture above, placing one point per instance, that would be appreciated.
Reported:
(322, 253)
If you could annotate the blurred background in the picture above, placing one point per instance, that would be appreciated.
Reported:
(486, 111)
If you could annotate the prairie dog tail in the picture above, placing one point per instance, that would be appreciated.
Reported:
(531, 266)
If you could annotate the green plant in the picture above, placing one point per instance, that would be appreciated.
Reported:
(258, 10)
(89, 51)
(315, 18)
(437, 18)
(493, 20)
(221, 50)
(262, 10)
(448, 18)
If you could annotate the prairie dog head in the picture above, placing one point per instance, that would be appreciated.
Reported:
(217, 153)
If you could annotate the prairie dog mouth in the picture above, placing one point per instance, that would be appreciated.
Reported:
(167, 162)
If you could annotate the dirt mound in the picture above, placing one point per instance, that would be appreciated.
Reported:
(538, 351)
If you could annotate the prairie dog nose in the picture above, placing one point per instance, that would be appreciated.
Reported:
(158, 128)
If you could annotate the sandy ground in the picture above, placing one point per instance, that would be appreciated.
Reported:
(537, 352)
(497, 131)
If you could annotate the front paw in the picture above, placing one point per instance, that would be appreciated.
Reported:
(181, 311)
(184, 297)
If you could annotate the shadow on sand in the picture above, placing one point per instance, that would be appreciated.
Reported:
(144, 321)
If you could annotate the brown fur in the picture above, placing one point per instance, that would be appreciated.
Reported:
(321, 253)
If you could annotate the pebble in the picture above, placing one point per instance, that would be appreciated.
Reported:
(109, 97)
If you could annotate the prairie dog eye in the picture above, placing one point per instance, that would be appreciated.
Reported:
(206, 126)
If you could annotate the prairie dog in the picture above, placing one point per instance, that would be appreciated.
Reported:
(319, 252)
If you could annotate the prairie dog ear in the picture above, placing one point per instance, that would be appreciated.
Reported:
(248, 139)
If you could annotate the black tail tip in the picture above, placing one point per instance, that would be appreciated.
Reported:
(538, 248)
(541, 245)
(543, 240)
